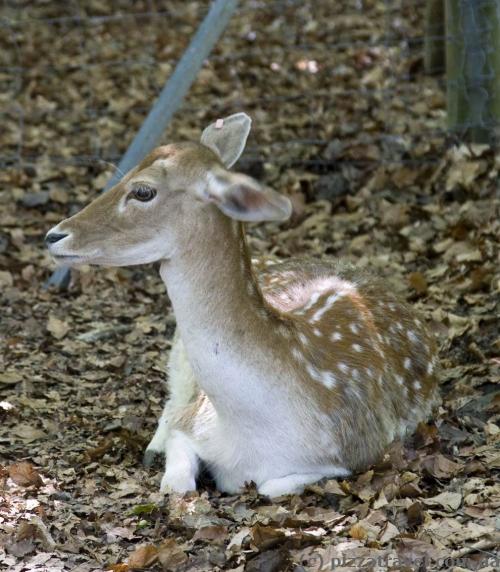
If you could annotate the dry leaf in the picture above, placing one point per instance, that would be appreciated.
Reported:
(358, 532)
(28, 433)
(24, 474)
(212, 533)
(10, 378)
(58, 328)
(143, 557)
(418, 282)
(448, 500)
(6, 279)
(171, 555)
(440, 467)
(389, 531)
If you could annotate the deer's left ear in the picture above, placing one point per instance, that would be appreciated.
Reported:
(227, 137)
(243, 198)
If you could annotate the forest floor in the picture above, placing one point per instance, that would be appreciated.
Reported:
(347, 125)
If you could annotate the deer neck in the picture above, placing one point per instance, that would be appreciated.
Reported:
(218, 306)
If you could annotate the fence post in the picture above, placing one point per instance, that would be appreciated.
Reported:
(169, 100)
(473, 69)
(434, 41)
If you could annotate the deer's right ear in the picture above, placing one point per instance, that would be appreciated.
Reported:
(227, 137)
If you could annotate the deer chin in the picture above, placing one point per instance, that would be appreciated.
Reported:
(70, 259)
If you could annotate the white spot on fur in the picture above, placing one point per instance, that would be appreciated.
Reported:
(328, 379)
(314, 372)
(355, 375)
(304, 296)
(344, 368)
(417, 385)
(303, 338)
(399, 380)
(407, 363)
(328, 304)
(315, 296)
(357, 348)
(336, 337)
(412, 336)
(354, 328)
(317, 332)
(297, 354)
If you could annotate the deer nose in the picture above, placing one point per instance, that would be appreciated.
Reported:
(53, 237)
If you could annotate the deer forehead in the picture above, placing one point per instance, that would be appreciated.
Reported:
(177, 163)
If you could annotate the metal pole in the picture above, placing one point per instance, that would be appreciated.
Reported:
(168, 101)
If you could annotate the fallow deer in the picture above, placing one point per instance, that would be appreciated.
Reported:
(280, 374)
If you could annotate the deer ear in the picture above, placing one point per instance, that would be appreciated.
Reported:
(227, 137)
(243, 198)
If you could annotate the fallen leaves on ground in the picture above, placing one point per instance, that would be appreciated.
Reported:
(349, 128)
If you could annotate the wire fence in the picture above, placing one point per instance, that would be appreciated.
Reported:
(327, 83)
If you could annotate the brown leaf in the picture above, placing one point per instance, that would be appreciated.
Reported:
(28, 433)
(57, 327)
(24, 474)
(99, 451)
(171, 555)
(214, 533)
(118, 568)
(388, 533)
(333, 487)
(448, 500)
(357, 532)
(440, 467)
(265, 537)
(425, 435)
(412, 549)
(270, 561)
(143, 557)
(404, 177)
(10, 378)
(418, 282)
(6, 279)
(415, 515)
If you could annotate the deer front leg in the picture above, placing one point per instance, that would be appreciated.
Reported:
(182, 388)
(158, 442)
(182, 464)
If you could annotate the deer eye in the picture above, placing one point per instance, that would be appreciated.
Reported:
(143, 193)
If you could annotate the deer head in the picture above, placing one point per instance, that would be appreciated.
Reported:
(151, 213)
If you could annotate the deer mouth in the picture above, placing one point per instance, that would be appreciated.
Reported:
(72, 259)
